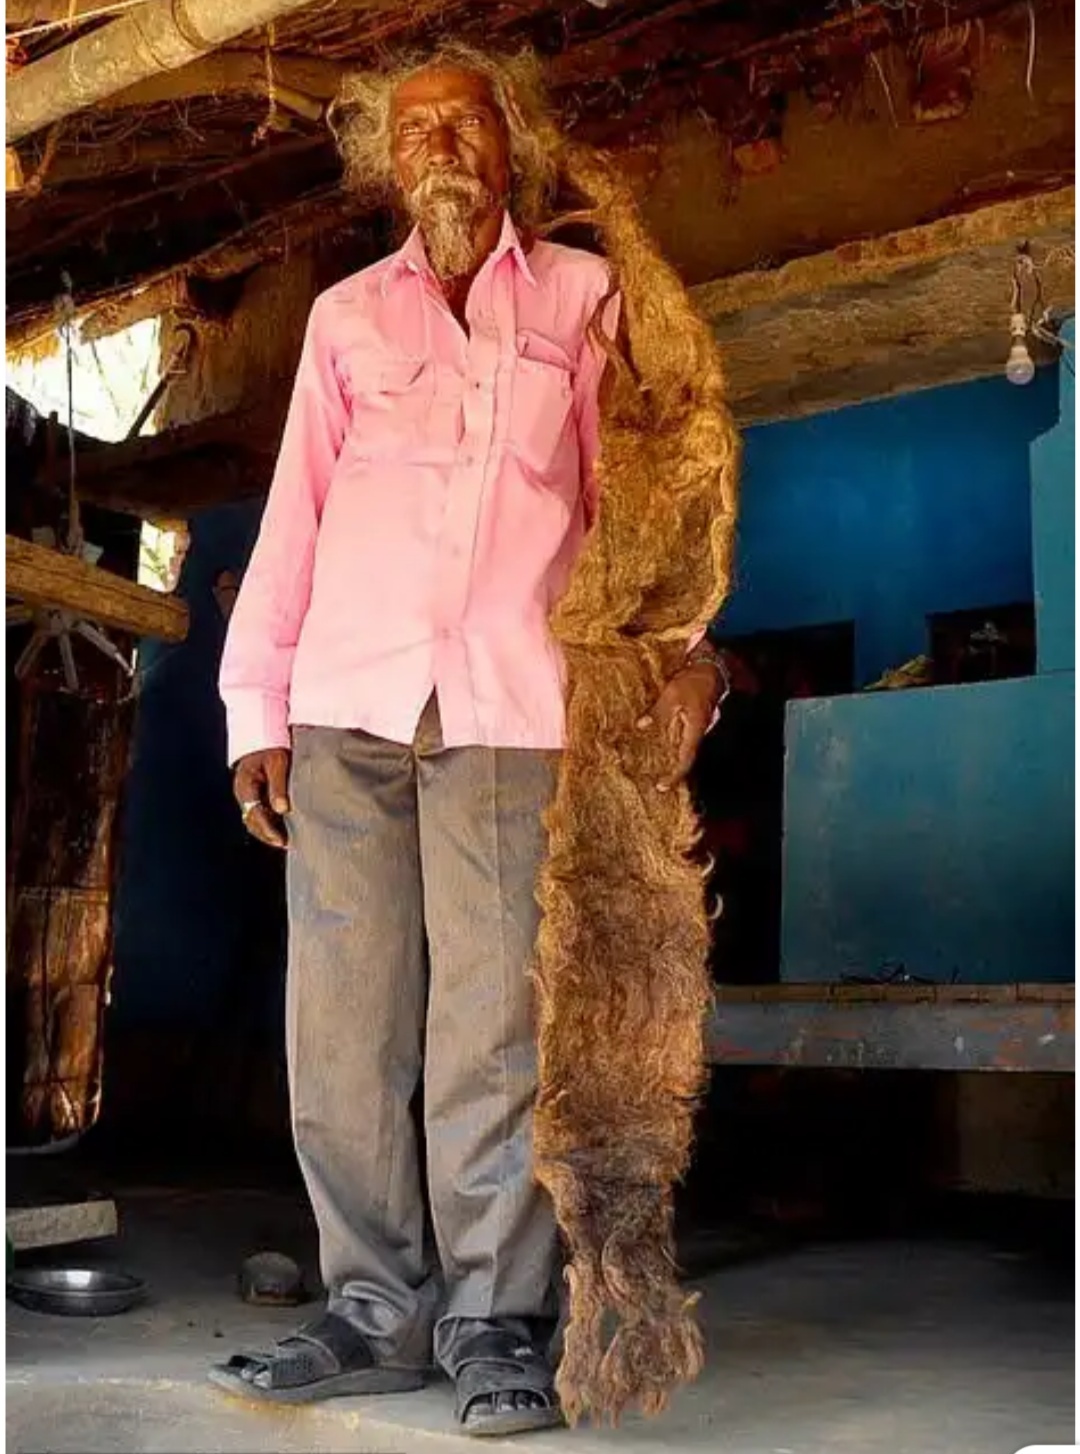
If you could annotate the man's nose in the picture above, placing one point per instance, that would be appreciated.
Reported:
(441, 147)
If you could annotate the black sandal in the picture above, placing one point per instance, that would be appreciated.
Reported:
(328, 1358)
(495, 1366)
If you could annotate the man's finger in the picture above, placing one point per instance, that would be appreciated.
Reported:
(658, 715)
(248, 782)
(277, 782)
(687, 738)
(262, 826)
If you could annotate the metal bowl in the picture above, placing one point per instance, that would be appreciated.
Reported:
(75, 1292)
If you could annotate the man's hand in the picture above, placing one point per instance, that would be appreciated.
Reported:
(261, 786)
(683, 713)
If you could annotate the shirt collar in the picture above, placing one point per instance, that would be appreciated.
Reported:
(412, 257)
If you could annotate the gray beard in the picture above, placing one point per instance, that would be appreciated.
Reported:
(448, 209)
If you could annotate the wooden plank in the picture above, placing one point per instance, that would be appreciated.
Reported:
(889, 315)
(45, 578)
(897, 994)
(897, 1033)
(56, 1226)
(1051, 994)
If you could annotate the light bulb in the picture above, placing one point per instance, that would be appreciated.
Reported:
(1019, 368)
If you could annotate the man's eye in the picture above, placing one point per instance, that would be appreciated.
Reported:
(409, 128)
(471, 121)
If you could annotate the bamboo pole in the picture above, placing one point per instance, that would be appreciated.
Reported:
(158, 36)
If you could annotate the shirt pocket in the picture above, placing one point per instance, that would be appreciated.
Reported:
(391, 407)
(542, 396)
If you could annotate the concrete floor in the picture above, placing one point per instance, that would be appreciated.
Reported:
(874, 1348)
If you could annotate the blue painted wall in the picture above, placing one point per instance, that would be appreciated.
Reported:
(934, 827)
(1053, 509)
(886, 512)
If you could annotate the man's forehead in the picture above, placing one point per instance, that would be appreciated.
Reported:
(443, 85)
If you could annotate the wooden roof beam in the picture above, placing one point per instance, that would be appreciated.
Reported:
(156, 37)
(889, 315)
(50, 580)
(189, 468)
(233, 73)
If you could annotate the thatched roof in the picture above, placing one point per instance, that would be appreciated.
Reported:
(194, 172)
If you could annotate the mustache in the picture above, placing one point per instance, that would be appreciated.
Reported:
(441, 185)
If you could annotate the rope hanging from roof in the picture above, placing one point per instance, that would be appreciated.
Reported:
(60, 625)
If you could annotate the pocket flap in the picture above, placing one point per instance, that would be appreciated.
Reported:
(395, 378)
(538, 349)
(368, 375)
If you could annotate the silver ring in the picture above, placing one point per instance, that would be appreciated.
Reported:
(248, 807)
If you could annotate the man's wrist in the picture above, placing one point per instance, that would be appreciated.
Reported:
(705, 654)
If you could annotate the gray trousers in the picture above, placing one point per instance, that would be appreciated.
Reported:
(412, 922)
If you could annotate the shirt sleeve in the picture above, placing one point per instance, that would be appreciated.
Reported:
(256, 667)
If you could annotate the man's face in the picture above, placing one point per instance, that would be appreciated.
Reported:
(451, 158)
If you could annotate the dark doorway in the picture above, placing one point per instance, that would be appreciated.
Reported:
(738, 787)
(990, 643)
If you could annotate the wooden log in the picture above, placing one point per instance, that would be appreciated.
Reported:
(181, 487)
(232, 73)
(116, 312)
(144, 42)
(188, 468)
(20, 13)
(49, 580)
(256, 431)
(912, 310)
(878, 259)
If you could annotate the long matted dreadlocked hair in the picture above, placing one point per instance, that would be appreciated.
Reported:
(621, 977)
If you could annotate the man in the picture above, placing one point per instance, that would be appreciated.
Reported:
(395, 710)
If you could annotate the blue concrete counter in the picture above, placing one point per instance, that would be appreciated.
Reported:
(932, 827)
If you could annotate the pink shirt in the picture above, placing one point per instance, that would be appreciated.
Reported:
(431, 495)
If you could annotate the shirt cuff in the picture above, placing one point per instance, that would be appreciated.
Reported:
(256, 722)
